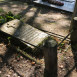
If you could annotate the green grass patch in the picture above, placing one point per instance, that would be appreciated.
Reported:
(7, 16)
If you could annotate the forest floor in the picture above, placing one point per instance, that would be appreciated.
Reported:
(13, 64)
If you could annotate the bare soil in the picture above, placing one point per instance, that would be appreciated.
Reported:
(14, 64)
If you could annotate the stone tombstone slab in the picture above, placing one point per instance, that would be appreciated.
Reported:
(10, 27)
(24, 32)
(68, 4)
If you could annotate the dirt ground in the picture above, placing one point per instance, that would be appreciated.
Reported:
(13, 64)
(41, 17)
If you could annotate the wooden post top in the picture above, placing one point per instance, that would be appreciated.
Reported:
(75, 18)
(50, 43)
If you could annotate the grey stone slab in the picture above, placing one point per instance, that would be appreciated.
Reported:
(24, 32)
(10, 27)
(68, 5)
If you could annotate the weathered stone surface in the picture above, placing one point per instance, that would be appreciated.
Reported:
(24, 32)
(68, 5)
(10, 27)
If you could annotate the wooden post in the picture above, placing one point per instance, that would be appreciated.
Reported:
(73, 27)
(74, 15)
(73, 37)
(50, 57)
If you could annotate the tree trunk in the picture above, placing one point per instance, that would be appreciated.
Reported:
(74, 15)
(50, 57)
(73, 37)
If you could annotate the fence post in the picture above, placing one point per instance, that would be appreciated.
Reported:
(73, 39)
(50, 57)
(74, 28)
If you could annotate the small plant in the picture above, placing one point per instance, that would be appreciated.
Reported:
(17, 16)
(2, 20)
(1, 10)
(8, 17)
(62, 45)
(9, 38)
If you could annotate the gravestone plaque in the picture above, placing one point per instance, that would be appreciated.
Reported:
(68, 4)
(24, 32)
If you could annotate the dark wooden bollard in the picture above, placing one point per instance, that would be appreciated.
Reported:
(73, 39)
(50, 56)
(74, 28)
